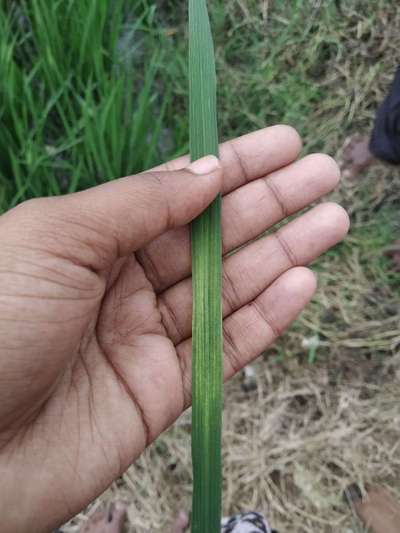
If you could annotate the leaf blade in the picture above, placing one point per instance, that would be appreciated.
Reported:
(207, 285)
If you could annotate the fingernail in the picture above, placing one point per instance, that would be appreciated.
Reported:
(205, 165)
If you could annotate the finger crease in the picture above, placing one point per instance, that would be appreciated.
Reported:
(264, 317)
(273, 189)
(145, 260)
(169, 319)
(240, 162)
(231, 295)
(232, 351)
(287, 250)
(169, 218)
(133, 397)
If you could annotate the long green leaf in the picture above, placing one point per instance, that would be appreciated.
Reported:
(207, 267)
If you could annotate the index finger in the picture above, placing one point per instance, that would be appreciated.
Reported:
(251, 156)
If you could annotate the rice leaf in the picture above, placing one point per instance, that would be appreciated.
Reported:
(207, 268)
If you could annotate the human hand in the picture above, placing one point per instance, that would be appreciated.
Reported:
(95, 310)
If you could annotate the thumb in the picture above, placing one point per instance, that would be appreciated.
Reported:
(137, 209)
(118, 217)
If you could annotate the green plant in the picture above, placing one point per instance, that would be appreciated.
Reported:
(77, 107)
(207, 267)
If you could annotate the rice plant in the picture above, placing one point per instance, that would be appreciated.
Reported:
(207, 267)
(80, 97)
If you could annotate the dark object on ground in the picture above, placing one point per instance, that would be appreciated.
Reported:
(352, 494)
(393, 252)
(240, 523)
(356, 156)
(385, 138)
(246, 522)
(378, 509)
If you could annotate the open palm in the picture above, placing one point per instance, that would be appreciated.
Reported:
(95, 310)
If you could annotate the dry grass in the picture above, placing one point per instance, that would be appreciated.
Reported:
(293, 444)
(290, 447)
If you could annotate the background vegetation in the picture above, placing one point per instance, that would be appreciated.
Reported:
(90, 91)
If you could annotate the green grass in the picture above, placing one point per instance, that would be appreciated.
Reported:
(94, 90)
(83, 96)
